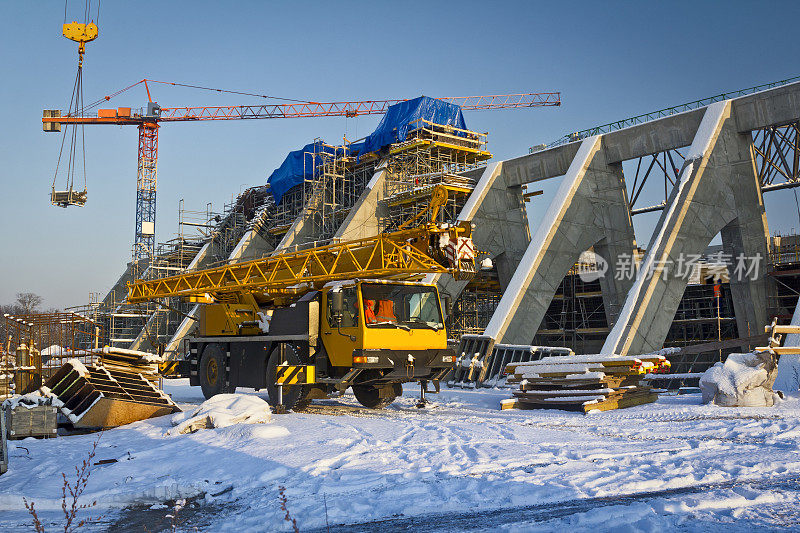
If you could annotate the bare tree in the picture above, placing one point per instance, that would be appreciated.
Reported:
(28, 301)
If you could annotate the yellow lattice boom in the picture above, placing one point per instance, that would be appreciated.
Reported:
(404, 254)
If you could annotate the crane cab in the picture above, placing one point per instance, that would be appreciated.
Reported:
(365, 317)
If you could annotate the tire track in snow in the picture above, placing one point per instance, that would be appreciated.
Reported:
(480, 520)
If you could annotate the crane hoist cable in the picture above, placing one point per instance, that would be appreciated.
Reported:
(81, 33)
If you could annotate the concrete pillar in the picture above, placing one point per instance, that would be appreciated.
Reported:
(590, 209)
(718, 191)
(364, 218)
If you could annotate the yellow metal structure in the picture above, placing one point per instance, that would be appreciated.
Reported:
(402, 255)
(438, 199)
(81, 34)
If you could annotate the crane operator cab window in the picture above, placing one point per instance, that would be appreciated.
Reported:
(349, 309)
(403, 306)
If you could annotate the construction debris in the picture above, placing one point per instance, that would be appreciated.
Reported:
(583, 382)
(746, 379)
(477, 368)
(96, 397)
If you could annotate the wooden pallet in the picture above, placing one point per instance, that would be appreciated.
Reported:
(31, 421)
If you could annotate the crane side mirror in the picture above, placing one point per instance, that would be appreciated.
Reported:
(337, 304)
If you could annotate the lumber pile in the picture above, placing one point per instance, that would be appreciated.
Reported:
(131, 361)
(583, 382)
(97, 397)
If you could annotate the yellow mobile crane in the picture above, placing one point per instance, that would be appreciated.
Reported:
(348, 314)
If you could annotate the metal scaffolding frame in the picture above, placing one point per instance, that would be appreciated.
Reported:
(431, 155)
(33, 346)
(475, 306)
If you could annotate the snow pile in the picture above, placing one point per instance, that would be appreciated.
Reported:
(54, 351)
(221, 411)
(30, 400)
(744, 380)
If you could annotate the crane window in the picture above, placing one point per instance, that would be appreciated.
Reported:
(407, 306)
(350, 308)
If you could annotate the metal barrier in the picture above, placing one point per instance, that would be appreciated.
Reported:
(482, 363)
(3, 442)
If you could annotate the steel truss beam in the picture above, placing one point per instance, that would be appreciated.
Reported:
(398, 255)
(665, 166)
(777, 153)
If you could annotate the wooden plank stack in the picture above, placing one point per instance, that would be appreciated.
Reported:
(131, 361)
(583, 382)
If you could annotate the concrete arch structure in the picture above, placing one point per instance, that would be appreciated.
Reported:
(590, 210)
(718, 192)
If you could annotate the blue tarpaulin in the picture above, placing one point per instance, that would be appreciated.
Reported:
(393, 128)
(297, 166)
(395, 123)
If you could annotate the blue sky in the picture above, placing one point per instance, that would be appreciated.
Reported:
(610, 60)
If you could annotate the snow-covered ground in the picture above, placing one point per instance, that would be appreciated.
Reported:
(460, 465)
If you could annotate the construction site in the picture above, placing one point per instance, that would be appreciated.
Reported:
(404, 330)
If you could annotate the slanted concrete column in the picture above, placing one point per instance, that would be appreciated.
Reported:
(364, 218)
(590, 209)
(250, 246)
(718, 191)
(501, 226)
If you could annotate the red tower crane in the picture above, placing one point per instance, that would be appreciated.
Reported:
(148, 121)
(80, 114)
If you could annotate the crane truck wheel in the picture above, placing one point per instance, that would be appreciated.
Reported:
(294, 396)
(212, 372)
(377, 397)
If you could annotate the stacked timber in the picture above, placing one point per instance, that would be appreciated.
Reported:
(96, 397)
(583, 382)
(132, 362)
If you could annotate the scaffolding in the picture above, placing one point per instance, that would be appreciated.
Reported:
(475, 305)
(783, 272)
(333, 183)
(576, 316)
(431, 155)
(33, 346)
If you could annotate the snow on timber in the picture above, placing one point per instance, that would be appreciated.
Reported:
(145, 357)
(460, 465)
